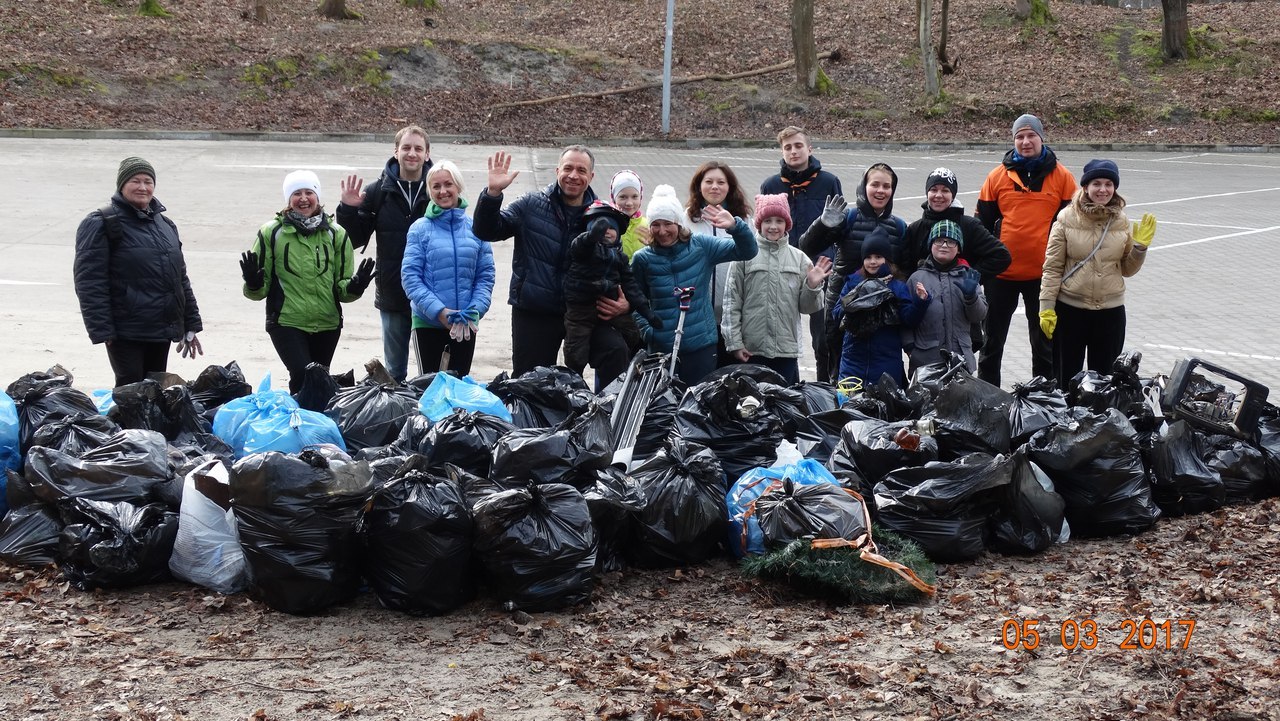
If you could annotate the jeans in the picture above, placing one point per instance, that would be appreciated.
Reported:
(396, 329)
(132, 360)
(1002, 301)
(788, 368)
(694, 364)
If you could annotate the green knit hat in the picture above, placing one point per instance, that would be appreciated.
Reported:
(946, 229)
(130, 167)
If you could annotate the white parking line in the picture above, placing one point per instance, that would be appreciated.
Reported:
(1203, 197)
(24, 282)
(1215, 237)
(1210, 351)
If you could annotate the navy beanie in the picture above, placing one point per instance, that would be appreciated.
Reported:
(1100, 169)
(877, 243)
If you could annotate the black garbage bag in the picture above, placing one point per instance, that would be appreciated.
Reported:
(185, 413)
(869, 447)
(684, 519)
(1267, 439)
(128, 467)
(1122, 390)
(542, 397)
(415, 436)
(75, 434)
(972, 416)
(1037, 404)
(189, 450)
(819, 434)
(788, 512)
(614, 499)
(140, 405)
(46, 402)
(754, 371)
(418, 534)
(659, 414)
(17, 491)
(787, 404)
(819, 396)
(1241, 466)
(297, 518)
(1181, 482)
(318, 388)
(1095, 465)
(537, 545)
(371, 415)
(900, 404)
(932, 377)
(1031, 515)
(40, 382)
(218, 384)
(419, 383)
(29, 535)
(115, 545)
(730, 417)
(572, 452)
(945, 507)
(467, 439)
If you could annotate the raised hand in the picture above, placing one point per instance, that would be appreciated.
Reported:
(820, 271)
(833, 211)
(719, 217)
(500, 173)
(251, 271)
(351, 190)
(1145, 231)
(969, 283)
(921, 292)
(362, 277)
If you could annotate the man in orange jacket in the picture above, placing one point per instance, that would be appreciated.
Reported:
(1018, 203)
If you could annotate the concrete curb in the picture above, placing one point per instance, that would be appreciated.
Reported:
(687, 143)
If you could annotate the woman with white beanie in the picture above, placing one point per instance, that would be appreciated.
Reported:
(303, 265)
(677, 258)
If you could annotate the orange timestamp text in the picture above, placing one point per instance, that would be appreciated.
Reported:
(1087, 634)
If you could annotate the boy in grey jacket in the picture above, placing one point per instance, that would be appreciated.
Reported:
(955, 301)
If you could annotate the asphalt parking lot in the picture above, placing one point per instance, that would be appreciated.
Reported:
(1207, 288)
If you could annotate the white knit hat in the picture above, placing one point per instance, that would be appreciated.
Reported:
(665, 205)
(300, 180)
(622, 180)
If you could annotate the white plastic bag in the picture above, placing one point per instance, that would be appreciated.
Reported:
(207, 549)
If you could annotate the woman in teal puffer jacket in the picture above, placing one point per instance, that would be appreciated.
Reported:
(676, 258)
(448, 274)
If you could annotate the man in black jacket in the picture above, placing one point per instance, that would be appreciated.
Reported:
(388, 207)
(807, 187)
(982, 250)
(544, 223)
(131, 279)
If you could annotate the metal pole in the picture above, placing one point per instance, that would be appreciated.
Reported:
(666, 67)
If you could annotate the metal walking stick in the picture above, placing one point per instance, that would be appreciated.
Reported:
(686, 297)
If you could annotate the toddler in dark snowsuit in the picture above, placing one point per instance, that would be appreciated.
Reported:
(598, 268)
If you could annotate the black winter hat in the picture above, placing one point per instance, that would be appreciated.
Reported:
(1100, 169)
(877, 243)
(615, 216)
(942, 176)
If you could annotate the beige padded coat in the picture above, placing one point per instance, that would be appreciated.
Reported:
(1099, 283)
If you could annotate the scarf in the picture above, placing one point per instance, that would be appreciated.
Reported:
(797, 181)
(434, 211)
(306, 224)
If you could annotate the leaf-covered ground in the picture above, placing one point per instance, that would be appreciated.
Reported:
(1094, 71)
(693, 643)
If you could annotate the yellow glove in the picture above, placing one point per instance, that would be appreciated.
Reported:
(1144, 231)
(1048, 322)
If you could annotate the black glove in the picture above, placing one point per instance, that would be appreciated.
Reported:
(251, 271)
(595, 231)
(362, 278)
(655, 322)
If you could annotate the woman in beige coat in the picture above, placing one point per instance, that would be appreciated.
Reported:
(1092, 249)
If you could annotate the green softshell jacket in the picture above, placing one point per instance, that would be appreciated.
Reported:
(305, 274)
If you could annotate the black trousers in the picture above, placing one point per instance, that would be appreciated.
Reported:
(298, 349)
(1002, 302)
(818, 332)
(1097, 333)
(431, 344)
(132, 360)
(536, 338)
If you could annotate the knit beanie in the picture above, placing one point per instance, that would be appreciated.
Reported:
(1100, 169)
(1029, 121)
(132, 166)
(942, 176)
(877, 243)
(773, 206)
(300, 180)
(622, 180)
(664, 205)
(947, 229)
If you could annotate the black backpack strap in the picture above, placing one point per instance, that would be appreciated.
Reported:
(111, 224)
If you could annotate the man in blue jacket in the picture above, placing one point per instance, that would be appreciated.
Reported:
(806, 186)
(543, 224)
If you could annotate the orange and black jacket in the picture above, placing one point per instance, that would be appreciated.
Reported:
(1018, 203)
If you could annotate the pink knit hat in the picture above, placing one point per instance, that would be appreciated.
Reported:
(773, 206)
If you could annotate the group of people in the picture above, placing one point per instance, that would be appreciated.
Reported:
(717, 279)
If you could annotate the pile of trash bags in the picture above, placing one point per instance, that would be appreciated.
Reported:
(433, 492)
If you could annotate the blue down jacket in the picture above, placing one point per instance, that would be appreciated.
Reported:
(446, 266)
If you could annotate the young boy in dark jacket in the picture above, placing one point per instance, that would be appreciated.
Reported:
(598, 268)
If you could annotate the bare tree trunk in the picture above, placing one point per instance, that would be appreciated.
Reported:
(928, 58)
(1175, 34)
(943, 60)
(255, 10)
(802, 43)
(1022, 9)
(337, 10)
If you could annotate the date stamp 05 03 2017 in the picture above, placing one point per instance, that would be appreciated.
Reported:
(1087, 634)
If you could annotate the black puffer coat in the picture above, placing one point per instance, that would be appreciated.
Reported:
(137, 288)
(981, 250)
(543, 228)
(387, 211)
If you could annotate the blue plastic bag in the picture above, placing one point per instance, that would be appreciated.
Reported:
(447, 393)
(751, 486)
(291, 432)
(10, 453)
(234, 418)
(104, 398)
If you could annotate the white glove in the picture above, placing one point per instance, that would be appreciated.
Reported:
(189, 346)
(833, 211)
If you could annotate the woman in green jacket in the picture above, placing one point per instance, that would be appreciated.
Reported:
(302, 263)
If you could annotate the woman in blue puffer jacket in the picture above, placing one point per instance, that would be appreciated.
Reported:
(448, 274)
(676, 258)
